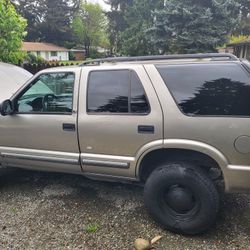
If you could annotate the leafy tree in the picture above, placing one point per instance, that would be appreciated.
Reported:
(189, 26)
(12, 31)
(89, 26)
(238, 39)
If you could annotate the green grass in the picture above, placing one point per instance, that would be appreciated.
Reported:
(92, 228)
(13, 210)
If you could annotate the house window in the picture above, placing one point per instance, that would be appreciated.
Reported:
(53, 53)
(38, 53)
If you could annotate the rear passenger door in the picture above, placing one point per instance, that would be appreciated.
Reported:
(118, 117)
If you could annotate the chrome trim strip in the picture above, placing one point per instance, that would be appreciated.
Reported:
(238, 167)
(110, 164)
(41, 158)
(107, 177)
(115, 158)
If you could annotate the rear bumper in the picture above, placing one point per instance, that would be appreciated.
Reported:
(237, 178)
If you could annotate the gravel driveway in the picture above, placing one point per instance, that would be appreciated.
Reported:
(58, 211)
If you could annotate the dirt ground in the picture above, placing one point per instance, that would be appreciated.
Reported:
(59, 211)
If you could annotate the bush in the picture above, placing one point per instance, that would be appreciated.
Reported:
(95, 54)
(31, 58)
(71, 56)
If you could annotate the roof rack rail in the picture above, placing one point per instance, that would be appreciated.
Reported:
(213, 56)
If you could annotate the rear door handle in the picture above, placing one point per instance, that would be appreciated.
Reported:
(69, 127)
(146, 129)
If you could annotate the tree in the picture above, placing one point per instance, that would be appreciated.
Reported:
(31, 11)
(121, 5)
(244, 25)
(12, 31)
(139, 18)
(55, 27)
(89, 26)
(189, 26)
(48, 20)
(239, 39)
(117, 23)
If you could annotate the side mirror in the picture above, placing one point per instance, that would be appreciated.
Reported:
(6, 108)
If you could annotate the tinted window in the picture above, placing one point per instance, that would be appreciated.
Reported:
(48, 93)
(218, 89)
(108, 91)
(139, 103)
(116, 91)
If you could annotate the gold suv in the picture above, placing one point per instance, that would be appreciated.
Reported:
(178, 124)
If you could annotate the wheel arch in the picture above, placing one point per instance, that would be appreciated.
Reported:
(181, 150)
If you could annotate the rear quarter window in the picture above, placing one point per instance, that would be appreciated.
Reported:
(209, 90)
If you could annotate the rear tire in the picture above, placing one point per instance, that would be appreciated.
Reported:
(182, 198)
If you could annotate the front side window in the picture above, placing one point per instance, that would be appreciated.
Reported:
(209, 89)
(116, 91)
(49, 93)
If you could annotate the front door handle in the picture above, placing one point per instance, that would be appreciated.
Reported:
(146, 129)
(69, 127)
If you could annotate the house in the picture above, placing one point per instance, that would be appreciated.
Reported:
(241, 49)
(48, 51)
(228, 49)
(78, 54)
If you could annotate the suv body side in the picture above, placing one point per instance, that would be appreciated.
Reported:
(181, 127)
(108, 145)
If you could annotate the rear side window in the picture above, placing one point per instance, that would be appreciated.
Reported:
(218, 89)
(116, 91)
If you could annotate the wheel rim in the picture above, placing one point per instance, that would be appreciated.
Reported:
(179, 201)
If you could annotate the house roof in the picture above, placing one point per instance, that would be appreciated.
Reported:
(34, 46)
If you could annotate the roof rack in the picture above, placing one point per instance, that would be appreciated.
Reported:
(213, 56)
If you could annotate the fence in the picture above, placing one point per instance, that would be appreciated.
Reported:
(34, 68)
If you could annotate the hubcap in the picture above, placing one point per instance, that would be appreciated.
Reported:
(180, 199)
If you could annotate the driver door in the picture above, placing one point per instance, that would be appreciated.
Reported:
(41, 134)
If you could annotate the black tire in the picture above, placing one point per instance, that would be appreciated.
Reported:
(182, 198)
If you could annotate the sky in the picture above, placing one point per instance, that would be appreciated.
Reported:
(101, 2)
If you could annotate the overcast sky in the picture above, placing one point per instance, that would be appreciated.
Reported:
(101, 2)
